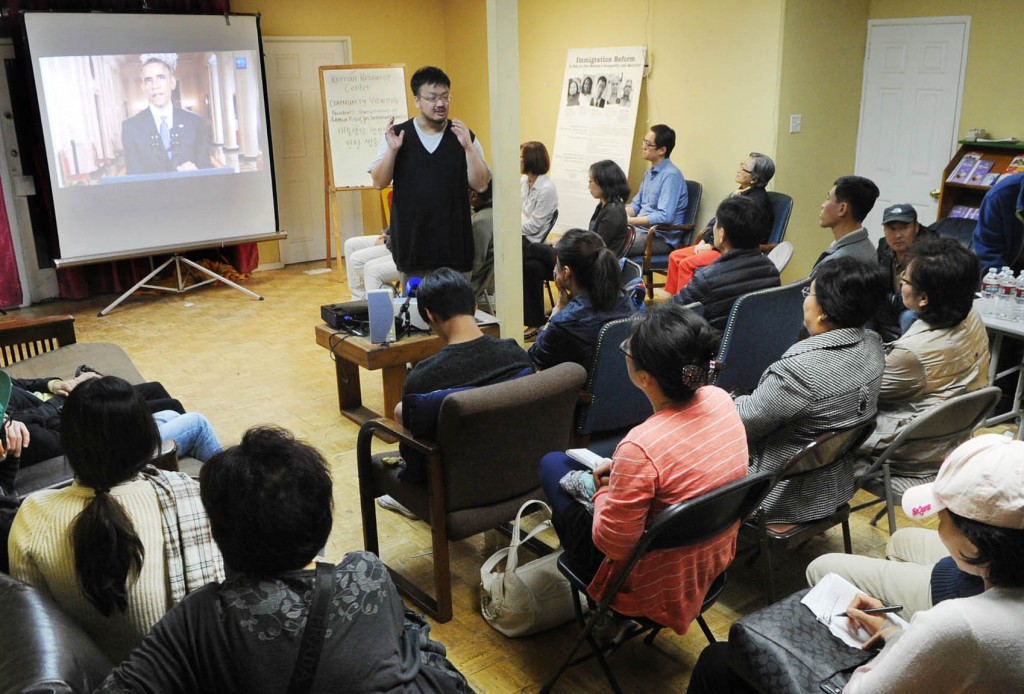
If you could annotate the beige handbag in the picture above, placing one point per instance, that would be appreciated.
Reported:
(523, 600)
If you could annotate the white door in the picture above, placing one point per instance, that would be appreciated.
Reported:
(296, 127)
(910, 109)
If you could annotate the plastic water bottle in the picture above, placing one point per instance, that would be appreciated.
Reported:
(989, 289)
(1007, 294)
(1018, 314)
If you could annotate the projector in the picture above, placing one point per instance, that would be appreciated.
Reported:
(351, 316)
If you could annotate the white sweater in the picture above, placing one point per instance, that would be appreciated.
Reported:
(969, 645)
(42, 555)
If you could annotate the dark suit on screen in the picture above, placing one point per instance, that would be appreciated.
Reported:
(144, 152)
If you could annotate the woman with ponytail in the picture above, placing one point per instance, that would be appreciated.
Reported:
(589, 295)
(693, 443)
(125, 541)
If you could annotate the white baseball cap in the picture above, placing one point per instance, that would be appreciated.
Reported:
(982, 480)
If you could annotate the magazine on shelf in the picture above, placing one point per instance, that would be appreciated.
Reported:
(963, 170)
(1016, 165)
(979, 172)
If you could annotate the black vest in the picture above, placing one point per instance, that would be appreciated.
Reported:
(430, 215)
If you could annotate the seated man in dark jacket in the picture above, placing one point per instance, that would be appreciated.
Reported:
(902, 231)
(470, 358)
(742, 268)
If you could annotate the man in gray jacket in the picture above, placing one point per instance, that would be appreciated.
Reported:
(848, 202)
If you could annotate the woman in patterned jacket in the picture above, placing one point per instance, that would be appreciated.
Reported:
(270, 502)
(828, 381)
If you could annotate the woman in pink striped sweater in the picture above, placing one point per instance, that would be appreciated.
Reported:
(693, 443)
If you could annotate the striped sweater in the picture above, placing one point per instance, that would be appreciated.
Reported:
(42, 556)
(677, 454)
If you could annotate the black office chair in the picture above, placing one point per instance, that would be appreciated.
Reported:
(543, 239)
(782, 208)
(762, 326)
(610, 405)
(680, 525)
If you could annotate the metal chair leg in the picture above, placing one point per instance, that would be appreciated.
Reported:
(567, 662)
(706, 629)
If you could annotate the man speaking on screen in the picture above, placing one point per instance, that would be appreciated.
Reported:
(163, 137)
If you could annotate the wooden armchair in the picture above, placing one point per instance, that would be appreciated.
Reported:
(23, 339)
(481, 466)
(659, 263)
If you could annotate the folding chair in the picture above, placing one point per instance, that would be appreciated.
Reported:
(680, 525)
(948, 423)
(826, 450)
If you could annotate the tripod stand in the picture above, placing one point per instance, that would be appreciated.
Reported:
(178, 260)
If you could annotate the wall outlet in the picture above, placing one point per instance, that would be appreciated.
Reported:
(794, 123)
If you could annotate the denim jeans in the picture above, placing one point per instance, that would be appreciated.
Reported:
(192, 433)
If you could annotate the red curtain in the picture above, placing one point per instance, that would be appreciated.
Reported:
(102, 278)
(10, 285)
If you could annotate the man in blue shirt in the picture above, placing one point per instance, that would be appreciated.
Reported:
(999, 236)
(662, 195)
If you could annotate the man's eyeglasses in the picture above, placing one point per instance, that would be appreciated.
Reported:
(749, 173)
(624, 348)
(447, 98)
(646, 144)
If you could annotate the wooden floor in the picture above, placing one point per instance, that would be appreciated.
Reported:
(244, 362)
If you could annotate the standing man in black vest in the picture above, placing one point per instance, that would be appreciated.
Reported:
(432, 161)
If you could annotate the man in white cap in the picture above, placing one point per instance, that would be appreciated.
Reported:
(970, 644)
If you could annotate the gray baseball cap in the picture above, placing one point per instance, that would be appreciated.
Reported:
(901, 212)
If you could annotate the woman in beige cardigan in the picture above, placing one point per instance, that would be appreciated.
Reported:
(125, 541)
(942, 355)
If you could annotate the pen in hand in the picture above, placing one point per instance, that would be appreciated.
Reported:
(877, 610)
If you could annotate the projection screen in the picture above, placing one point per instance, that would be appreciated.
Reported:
(155, 129)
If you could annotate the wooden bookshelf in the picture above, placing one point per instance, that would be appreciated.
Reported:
(964, 193)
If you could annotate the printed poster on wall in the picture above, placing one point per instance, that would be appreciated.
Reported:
(596, 120)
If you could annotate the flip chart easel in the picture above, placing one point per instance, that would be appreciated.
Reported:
(358, 101)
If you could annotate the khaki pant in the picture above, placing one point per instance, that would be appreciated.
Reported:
(903, 578)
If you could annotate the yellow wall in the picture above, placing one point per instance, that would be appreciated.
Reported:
(713, 76)
(725, 75)
(994, 59)
(465, 30)
(822, 69)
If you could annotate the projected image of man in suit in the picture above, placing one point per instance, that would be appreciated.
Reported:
(163, 137)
